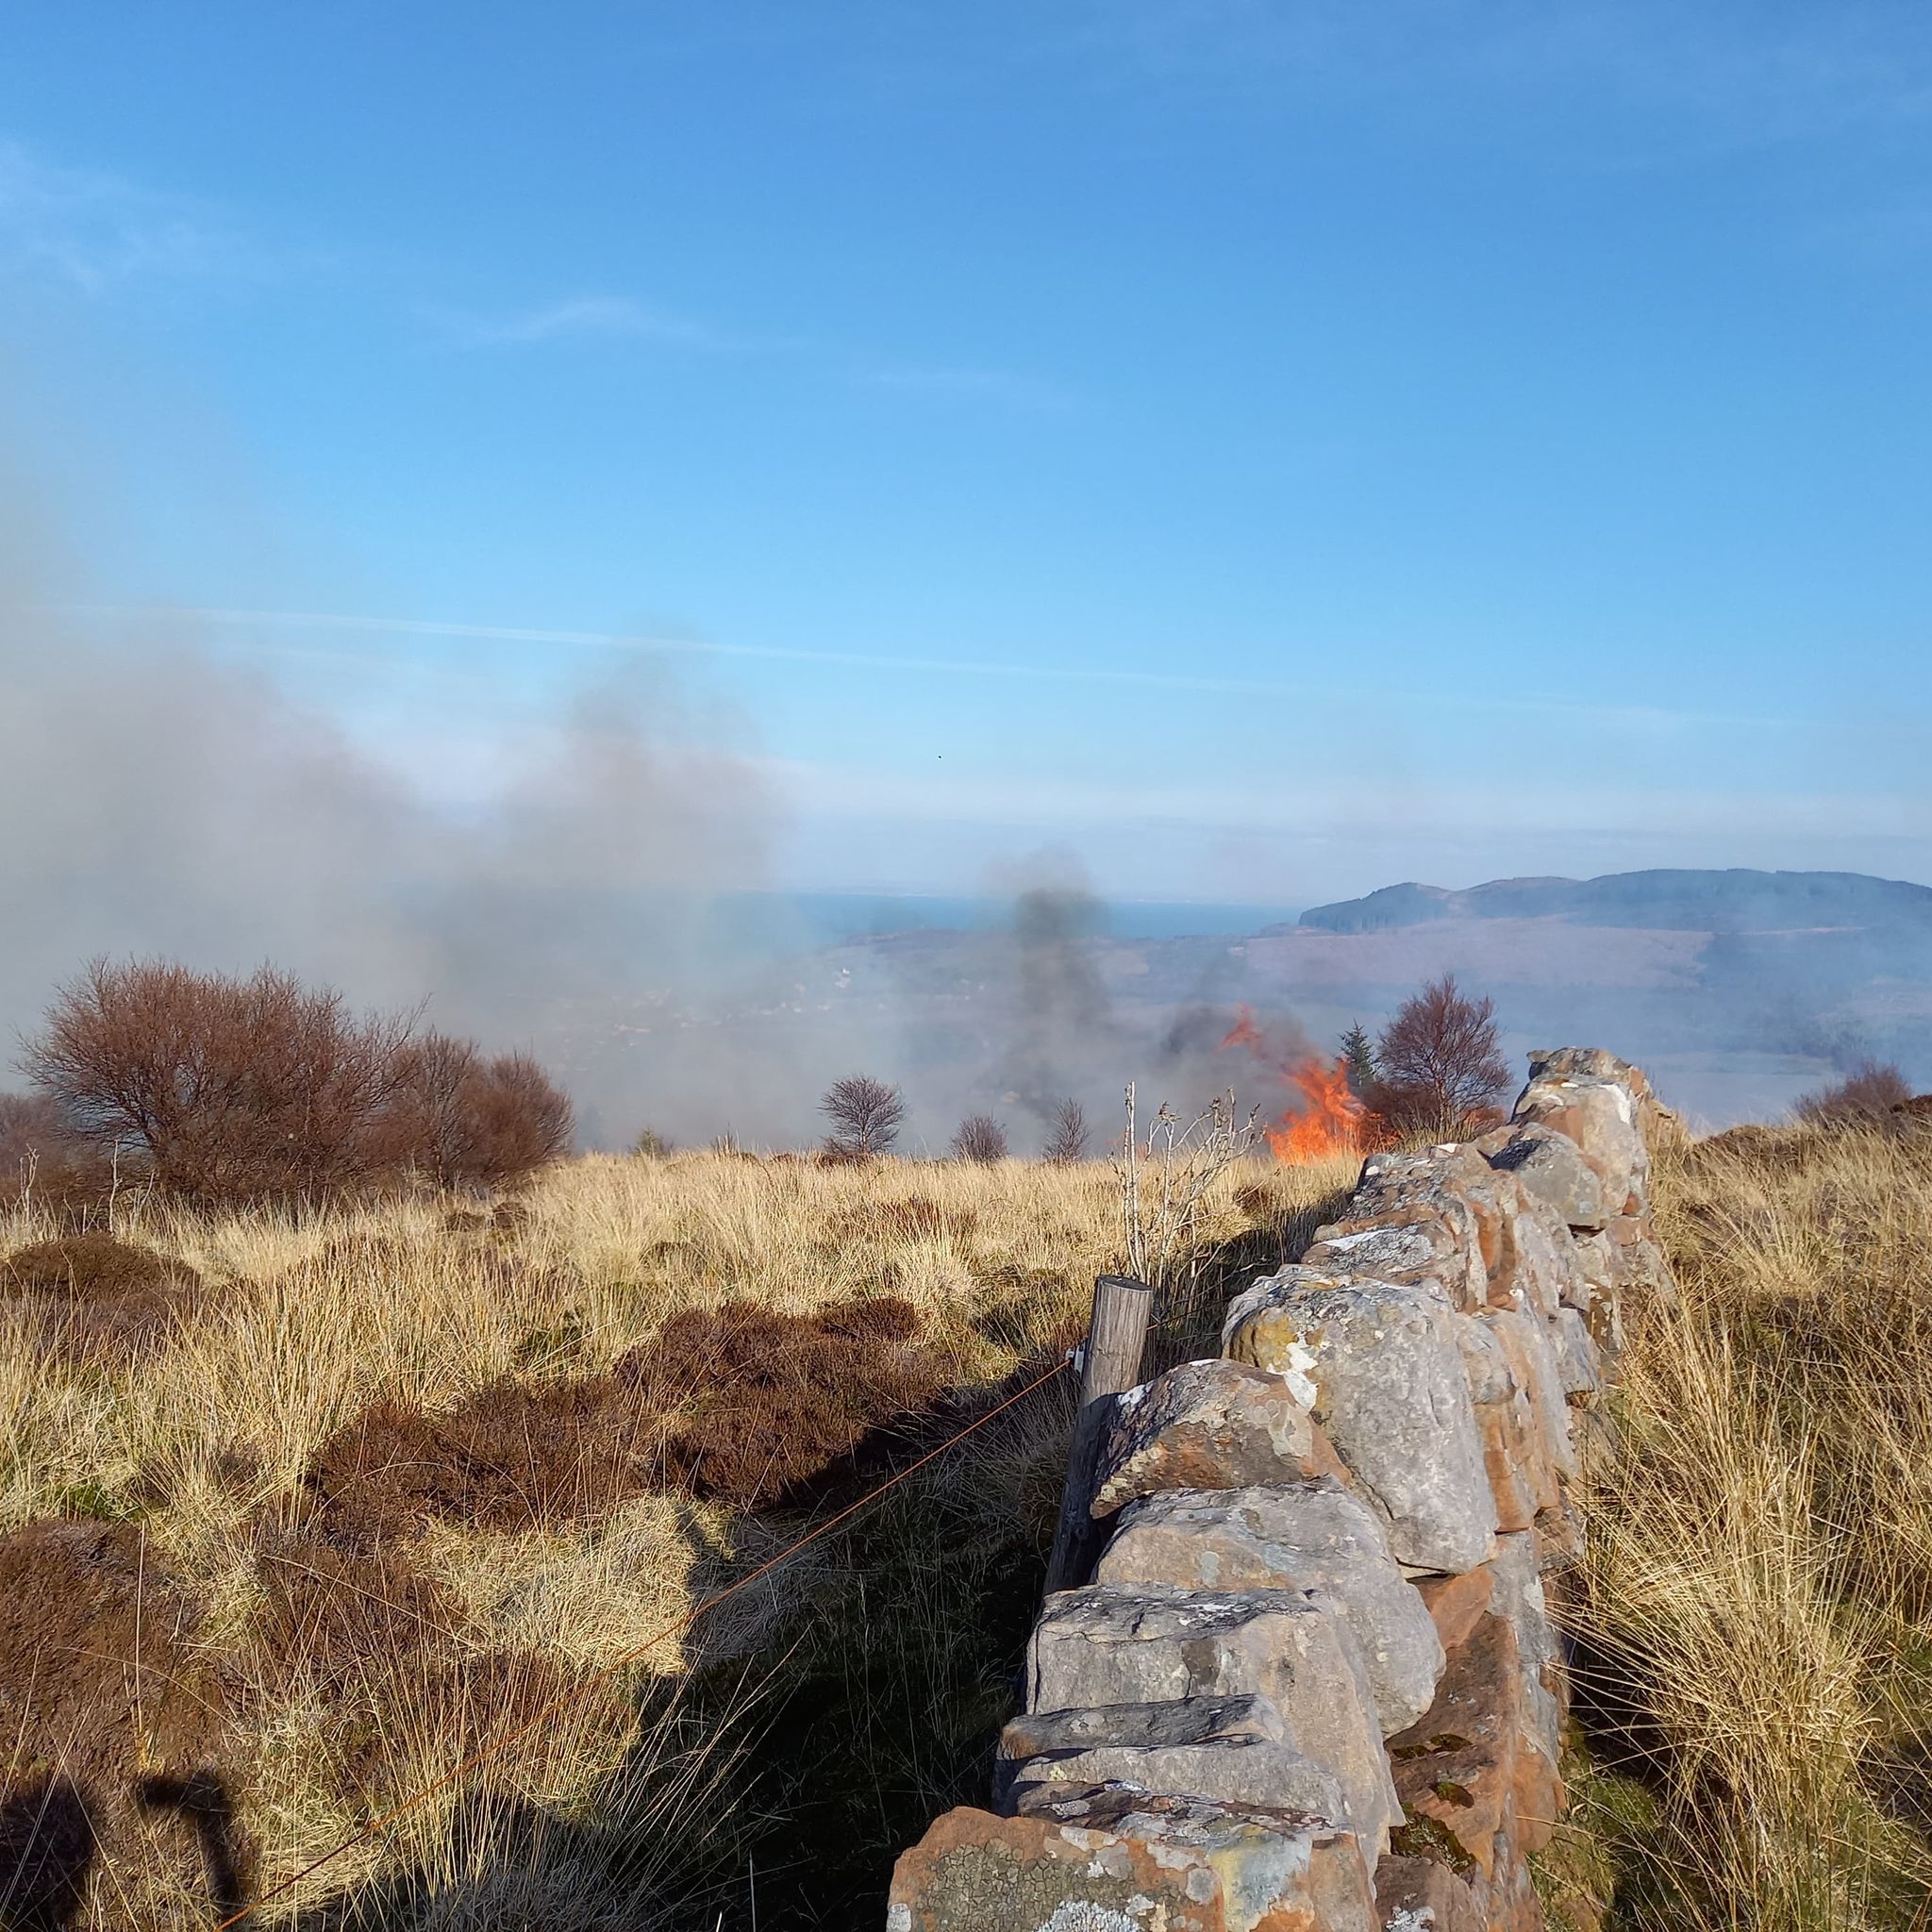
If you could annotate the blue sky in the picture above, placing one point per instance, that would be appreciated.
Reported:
(1251, 451)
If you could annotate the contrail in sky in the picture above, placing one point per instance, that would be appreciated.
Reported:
(964, 667)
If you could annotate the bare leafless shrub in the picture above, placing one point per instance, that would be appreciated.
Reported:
(866, 1116)
(1438, 1067)
(980, 1137)
(459, 1119)
(221, 1090)
(31, 1127)
(516, 1120)
(42, 1160)
(1167, 1179)
(1067, 1140)
(1868, 1092)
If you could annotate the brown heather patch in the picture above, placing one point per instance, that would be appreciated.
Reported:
(344, 1616)
(105, 1704)
(93, 1267)
(514, 1457)
(757, 1403)
(90, 1298)
(732, 1404)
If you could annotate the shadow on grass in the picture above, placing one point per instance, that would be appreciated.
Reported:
(785, 1780)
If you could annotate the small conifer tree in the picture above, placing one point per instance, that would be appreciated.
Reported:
(1359, 1054)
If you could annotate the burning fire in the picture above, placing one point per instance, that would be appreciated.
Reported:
(1324, 1118)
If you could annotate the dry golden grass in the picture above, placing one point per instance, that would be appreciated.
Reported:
(1761, 1568)
(201, 1436)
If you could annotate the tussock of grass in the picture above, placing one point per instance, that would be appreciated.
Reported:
(1760, 1574)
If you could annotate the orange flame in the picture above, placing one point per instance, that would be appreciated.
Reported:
(1324, 1117)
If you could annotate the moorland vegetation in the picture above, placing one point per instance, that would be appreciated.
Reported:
(310, 1492)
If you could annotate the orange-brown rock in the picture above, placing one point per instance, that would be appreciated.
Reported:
(1469, 1774)
(1457, 1602)
(1511, 1420)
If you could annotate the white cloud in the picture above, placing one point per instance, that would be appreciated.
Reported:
(95, 229)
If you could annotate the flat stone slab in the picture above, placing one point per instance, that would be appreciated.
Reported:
(1224, 1768)
(1227, 1749)
(1153, 1644)
(1208, 1425)
(1115, 1861)
(1308, 1536)
(1412, 1247)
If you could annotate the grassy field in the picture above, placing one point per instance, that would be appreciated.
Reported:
(331, 1500)
(286, 1538)
(1757, 1627)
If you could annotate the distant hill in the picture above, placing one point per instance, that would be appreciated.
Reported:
(1733, 902)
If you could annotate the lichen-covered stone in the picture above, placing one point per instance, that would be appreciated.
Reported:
(1313, 1535)
(1152, 1644)
(1208, 1425)
(1126, 1861)
(1429, 1192)
(1416, 1249)
(1549, 1168)
(1385, 1377)
(1417, 1895)
(1599, 1111)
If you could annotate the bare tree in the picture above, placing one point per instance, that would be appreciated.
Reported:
(224, 1090)
(1067, 1143)
(1868, 1092)
(1437, 1061)
(866, 1116)
(980, 1137)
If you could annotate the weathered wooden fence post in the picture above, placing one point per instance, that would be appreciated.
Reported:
(1116, 1336)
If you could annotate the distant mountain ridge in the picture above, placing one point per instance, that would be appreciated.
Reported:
(1733, 900)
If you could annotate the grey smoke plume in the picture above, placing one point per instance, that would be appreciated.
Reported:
(160, 800)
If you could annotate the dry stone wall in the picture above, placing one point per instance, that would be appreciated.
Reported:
(1314, 1684)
